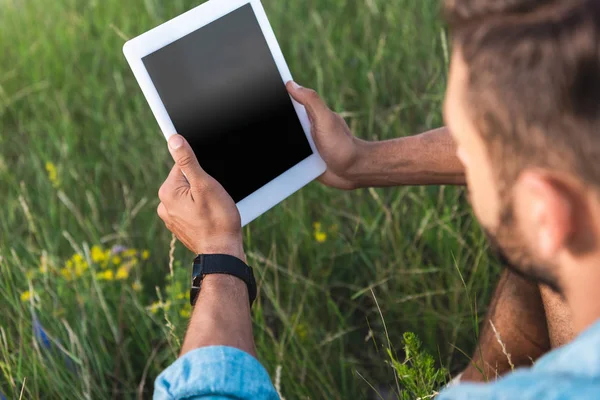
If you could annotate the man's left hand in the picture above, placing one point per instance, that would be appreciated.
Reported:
(198, 210)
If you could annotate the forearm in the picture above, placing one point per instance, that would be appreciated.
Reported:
(221, 316)
(218, 358)
(425, 159)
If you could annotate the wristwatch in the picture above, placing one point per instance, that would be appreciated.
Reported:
(206, 264)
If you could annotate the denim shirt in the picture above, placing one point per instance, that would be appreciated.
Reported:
(570, 372)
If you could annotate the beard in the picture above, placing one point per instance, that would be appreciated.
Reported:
(508, 246)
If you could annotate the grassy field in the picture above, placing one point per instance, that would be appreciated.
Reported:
(81, 160)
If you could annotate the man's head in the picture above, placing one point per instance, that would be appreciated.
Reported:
(523, 105)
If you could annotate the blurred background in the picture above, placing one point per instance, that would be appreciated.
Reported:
(94, 293)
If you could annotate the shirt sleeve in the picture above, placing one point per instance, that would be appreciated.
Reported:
(215, 373)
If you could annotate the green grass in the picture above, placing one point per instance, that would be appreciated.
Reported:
(67, 97)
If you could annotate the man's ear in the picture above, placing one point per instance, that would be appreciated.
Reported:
(544, 209)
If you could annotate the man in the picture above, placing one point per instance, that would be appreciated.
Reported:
(523, 107)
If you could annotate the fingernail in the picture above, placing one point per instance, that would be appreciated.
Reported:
(295, 85)
(175, 142)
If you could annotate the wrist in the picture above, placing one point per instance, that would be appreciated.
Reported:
(227, 285)
(223, 299)
(226, 267)
(234, 248)
(366, 161)
(388, 163)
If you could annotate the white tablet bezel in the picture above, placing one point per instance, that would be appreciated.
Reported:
(135, 49)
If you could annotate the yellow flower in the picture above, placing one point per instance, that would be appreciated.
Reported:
(107, 275)
(185, 313)
(52, 174)
(26, 295)
(320, 237)
(181, 296)
(106, 259)
(43, 263)
(136, 286)
(145, 255)
(154, 307)
(75, 266)
(98, 256)
(30, 274)
(80, 268)
(129, 253)
(67, 273)
(122, 273)
(302, 331)
(116, 260)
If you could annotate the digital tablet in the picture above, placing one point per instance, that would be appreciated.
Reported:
(216, 75)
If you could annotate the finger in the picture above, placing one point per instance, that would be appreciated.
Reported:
(161, 210)
(318, 112)
(186, 160)
(173, 185)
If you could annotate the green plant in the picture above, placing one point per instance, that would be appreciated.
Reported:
(418, 375)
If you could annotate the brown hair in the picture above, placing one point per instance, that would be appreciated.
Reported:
(534, 82)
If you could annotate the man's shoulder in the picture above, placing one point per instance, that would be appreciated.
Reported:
(527, 385)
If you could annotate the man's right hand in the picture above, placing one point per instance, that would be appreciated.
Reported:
(337, 146)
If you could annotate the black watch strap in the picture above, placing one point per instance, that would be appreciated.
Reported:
(206, 264)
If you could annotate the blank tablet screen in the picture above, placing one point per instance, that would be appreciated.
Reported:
(224, 94)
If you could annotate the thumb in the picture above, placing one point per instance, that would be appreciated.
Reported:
(186, 160)
(315, 106)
